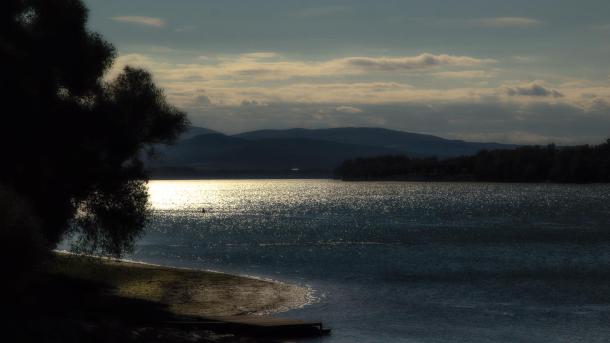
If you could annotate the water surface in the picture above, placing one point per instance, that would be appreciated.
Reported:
(404, 262)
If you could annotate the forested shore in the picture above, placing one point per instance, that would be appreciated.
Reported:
(577, 164)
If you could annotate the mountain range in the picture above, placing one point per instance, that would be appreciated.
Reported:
(201, 151)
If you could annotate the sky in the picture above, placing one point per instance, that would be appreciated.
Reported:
(519, 71)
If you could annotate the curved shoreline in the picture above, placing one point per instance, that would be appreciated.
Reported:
(187, 291)
(307, 291)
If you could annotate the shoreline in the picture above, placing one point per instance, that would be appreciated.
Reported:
(188, 291)
(308, 289)
(78, 298)
(382, 180)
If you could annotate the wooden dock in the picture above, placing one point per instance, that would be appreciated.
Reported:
(257, 326)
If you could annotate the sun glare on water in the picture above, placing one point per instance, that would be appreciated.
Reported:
(185, 194)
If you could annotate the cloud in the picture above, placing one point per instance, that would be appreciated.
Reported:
(348, 109)
(259, 55)
(140, 20)
(251, 103)
(231, 81)
(465, 74)
(250, 91)
(253, 66)
(506, 22)
(535, 89)
(526, 59)
(421, 61)
(360, 94)
(269, 66)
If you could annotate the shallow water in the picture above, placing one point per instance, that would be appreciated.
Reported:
(404, 262)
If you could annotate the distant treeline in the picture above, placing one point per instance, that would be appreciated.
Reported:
(579, 164)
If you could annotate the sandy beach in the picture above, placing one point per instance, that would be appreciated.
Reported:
(186, 292)
(104, 300)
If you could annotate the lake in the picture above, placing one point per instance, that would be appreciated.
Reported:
(401, 261)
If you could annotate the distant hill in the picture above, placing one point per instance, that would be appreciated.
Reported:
(405, 142)
(215, 151)
(194, 131)
(202, 151)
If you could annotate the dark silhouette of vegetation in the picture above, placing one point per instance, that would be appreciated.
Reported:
(72, 141)
(579, 164)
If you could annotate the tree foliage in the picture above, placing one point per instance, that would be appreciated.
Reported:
(579, 164)
(72, 142)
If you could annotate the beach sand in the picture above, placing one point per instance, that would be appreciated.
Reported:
(80, 298)
(186, 291)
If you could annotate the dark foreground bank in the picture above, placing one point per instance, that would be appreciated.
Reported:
(83, 299)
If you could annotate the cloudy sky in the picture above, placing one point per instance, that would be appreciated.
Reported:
(520, 71)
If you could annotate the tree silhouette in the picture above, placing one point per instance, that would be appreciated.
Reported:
(72, 142)
(579, 164)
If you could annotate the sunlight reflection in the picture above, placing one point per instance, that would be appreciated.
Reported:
(186, 194)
